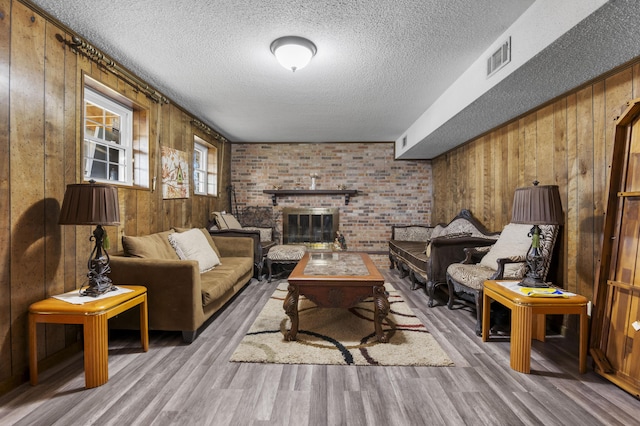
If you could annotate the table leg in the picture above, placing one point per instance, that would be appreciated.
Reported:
(539, 327)
(381, 304)
(486, 315)
(33, 350)
(521, 328)
(583, 339)
(96, 350)
(144, 324)
(290, 306)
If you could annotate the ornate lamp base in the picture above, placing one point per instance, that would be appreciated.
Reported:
(535, 282)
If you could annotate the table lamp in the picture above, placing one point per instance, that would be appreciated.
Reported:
(536, 205)
(93, 204)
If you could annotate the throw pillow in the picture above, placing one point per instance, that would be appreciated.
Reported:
(193, 245)
(154, 246)
(226, 221)
(206, 234)
(514, 241)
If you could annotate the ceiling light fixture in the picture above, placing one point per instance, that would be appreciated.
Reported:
(293, 52)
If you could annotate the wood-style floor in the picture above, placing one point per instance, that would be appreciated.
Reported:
(195, 384)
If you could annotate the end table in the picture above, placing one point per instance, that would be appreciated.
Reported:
(93, 316)
(526, 309)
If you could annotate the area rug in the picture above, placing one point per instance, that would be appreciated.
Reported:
(339, 336)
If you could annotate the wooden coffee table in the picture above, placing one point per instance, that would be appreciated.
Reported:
(336, 280)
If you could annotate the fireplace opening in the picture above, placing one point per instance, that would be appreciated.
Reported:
(313, 227)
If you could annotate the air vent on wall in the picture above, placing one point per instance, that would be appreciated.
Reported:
(499, 58)
(404, 141)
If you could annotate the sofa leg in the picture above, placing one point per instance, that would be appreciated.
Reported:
(188, 336)
(412, 278)
(451, 293)
(430, 290)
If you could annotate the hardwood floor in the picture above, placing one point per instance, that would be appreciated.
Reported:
(181, 384)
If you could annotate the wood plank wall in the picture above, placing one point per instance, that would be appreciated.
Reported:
(40, 150)
(566, 143)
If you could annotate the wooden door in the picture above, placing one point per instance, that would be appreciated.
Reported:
(616, 324)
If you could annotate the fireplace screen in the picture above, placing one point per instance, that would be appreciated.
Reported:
(312, 226)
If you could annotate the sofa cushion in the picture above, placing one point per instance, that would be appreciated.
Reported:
(514, 241)
(222, 278)
(154, 246)
(193, 245)
(411, 252)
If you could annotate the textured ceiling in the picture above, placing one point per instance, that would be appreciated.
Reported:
(380, 64)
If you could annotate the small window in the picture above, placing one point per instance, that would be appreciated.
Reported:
(205, 168)
(108, 130)
(200, 169)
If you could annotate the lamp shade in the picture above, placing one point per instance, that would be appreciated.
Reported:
(90, 204)
(537, 205)
(292, 52)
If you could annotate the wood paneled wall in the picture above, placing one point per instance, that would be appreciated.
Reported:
(566, 143)
(40, 151)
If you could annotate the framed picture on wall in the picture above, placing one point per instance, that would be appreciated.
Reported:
(175, 173)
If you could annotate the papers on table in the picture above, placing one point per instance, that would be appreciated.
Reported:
(75, 298)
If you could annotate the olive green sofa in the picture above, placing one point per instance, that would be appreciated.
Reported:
(180, 296)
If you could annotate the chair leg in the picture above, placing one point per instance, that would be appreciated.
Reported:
(269, 268)
(478, 300)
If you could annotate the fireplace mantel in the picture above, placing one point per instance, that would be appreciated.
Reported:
(293, 192)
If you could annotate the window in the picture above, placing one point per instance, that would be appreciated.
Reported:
(205, 168)
(108, 130)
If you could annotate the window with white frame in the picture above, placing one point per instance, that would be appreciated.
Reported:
(108, 130)
(205, 168)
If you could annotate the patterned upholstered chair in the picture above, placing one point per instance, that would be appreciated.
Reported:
(256, 223)
(503, 260)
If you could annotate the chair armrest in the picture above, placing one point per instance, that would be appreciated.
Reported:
(475, 254)
(444, 251)
(504, 261)
(238, 233)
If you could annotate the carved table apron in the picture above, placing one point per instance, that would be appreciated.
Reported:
(336, 280)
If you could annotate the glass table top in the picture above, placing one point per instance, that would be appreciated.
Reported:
(335, 263)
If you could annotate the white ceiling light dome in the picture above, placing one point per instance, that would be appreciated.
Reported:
(293, 52)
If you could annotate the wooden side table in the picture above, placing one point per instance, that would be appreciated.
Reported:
(93, 316)
(528, 320)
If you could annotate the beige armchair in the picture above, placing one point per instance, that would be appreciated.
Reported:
(503, 260)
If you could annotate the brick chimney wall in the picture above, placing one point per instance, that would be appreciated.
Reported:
(389, 191)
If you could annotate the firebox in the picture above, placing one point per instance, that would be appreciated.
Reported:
(314, 227)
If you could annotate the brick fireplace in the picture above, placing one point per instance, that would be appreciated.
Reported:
(314, 227)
